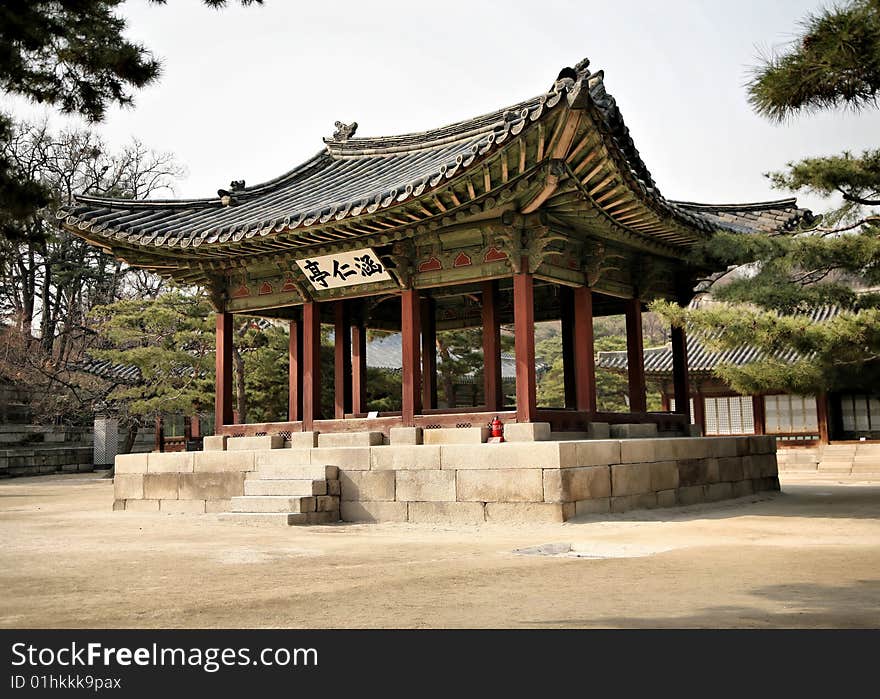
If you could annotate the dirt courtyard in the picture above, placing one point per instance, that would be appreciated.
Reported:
(808, 557)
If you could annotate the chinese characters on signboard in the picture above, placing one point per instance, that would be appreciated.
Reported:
(344, 269)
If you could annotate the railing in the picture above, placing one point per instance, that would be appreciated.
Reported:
(561, 420)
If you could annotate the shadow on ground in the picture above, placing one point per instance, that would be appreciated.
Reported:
(822, 501)
(798, 605)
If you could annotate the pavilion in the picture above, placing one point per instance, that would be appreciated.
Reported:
(539, 211)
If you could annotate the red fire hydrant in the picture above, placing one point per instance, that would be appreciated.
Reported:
(497, 430)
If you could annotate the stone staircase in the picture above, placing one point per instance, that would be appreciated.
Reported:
(288, 494)
(853, 458)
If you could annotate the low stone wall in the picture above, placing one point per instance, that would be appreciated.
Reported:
(45, 460)
(548, 481)
(200, 481)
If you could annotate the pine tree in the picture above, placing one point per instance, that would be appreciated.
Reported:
(69, 54)
(835, 260)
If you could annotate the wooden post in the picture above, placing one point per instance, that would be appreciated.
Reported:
(524, 339)
(410, 317)
(493, 392)
(295, 372)
(635, 359)
(359, 368)
(700, 412)
(429, 353)
(311, 361)
(822, 417)
(758, 416)
(223, 375)
(566, 318)
(160, 435)
(584, 353)
(195, 426)
(681, 383)
(342, 360)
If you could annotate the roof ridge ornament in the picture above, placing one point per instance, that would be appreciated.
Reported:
(343, 131)
(227, 196)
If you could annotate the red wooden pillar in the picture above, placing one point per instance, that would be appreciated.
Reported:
(223, 375)
(758, 416)
(342, 360)
(359, 368)
(566, 318)
(311, 361)
(295, 372)
(493, 391)
(429, 353)
(635, 356)
(681, 383)
(822, 417)
(584, 354)
(410, 317)
(524, 339)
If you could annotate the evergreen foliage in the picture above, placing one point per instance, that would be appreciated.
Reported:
(780, 279)
(171, 342)
(72, 55)
(834, 62)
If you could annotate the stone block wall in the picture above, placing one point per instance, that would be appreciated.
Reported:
(45, 460)
(548, 481)
(180, 481)
(517, 482)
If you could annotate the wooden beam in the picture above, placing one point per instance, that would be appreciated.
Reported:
(635, 356)
(584, 352)
(342, 360)
(524, 339)
(681, 383)
(359, 368)
(410, 317)
(311, 359)
(492, 388)
(223, 375)
(429, 353)
(295, 378)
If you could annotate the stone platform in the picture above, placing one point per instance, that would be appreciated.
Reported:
(456, 478)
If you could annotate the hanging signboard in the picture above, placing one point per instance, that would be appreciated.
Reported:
(344, 269)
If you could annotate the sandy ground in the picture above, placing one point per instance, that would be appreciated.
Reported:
(808, 557)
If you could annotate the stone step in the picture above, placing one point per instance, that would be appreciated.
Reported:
(455, 435)
(273, 503)
(285, 486)
(295, 472)
(351, 439)
(835, 466)
(280, 519)
(273, 441)
(801, 467)
(873, 467)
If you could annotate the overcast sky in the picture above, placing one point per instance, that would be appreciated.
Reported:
(247, 93)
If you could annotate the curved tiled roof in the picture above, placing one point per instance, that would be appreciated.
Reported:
(701, 360)
(355, 181)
